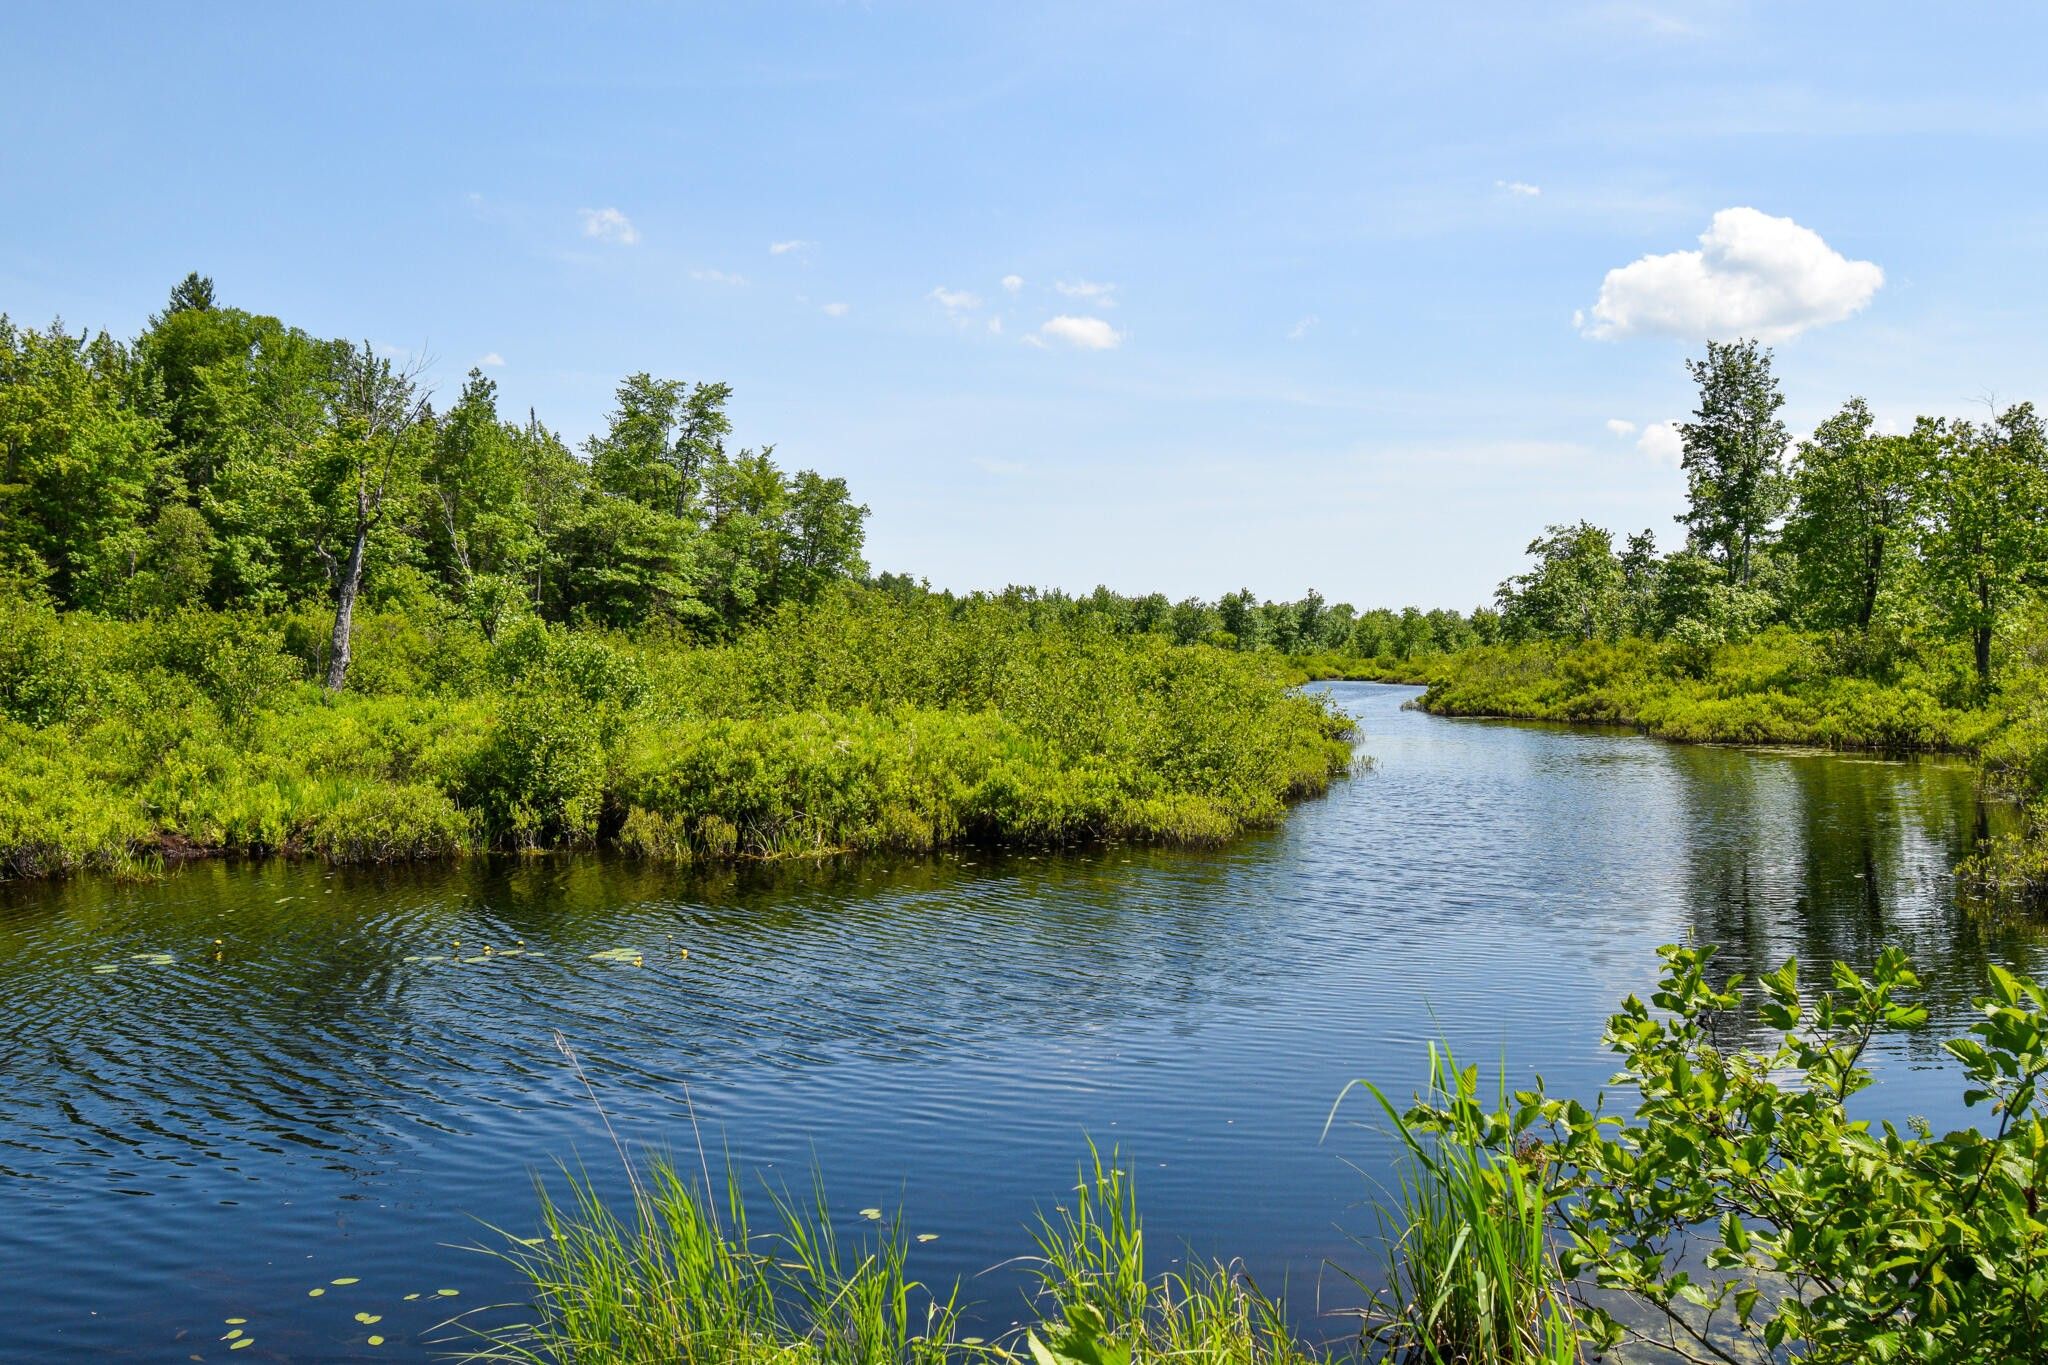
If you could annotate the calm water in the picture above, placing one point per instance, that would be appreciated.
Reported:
(186, 1141)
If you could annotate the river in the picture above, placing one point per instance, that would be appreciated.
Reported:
(350, 1088)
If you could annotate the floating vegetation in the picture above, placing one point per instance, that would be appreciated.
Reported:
(315, 1293)
(106, 967)
(368, 1319)
(617, 955)
(376, 1341)
(233, 1332)
(872, 1215)
(346, 1279)
(152, 959)
(245, 1341)
(447, 1293)
(927, 1236)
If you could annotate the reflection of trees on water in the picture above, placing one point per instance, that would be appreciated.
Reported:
(1830, 858)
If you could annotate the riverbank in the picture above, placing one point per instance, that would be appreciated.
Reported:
(865, 723)
(1785, 687)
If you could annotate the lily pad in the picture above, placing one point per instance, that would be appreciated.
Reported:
(315, 1293)
(106, 967)
(616, 955)
(245, 1341)
(367, 1318)
(927, 1236)
(347, 1279)
(447, 1293)
(233, 1332)
(376, 1341)
(874, 1215)
(153, 959)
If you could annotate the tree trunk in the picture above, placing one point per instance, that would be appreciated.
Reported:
(345, 609)
(1980, 633)
(1873, 577)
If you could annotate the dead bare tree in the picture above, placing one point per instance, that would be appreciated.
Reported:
(378, 413)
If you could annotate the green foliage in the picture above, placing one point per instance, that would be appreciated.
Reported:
(866, 722)
(685, 1278)
(1748, 1211)
(1575, 592)
(1733, 456)
(1471, 1275)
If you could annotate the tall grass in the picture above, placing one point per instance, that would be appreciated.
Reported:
(1103, 1308)
(684, 1277)
(1470, 1278)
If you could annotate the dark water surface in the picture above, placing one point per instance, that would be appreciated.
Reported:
(185, 1141)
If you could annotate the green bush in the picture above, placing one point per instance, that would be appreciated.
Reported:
(868, 722)
(1747, 1208)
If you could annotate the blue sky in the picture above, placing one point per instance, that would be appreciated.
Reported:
(1291, 288)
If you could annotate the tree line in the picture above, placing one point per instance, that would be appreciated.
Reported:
(1941, 529)
(1238, 620)
(225, 460)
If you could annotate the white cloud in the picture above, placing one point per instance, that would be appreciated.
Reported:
(709, 276)
(835, 310)
(1754, 275)
(1661, 442)
(1521, 189)
(609, 225)
(794, 244)
(995, 327)
(955, 300)
(492, 360)
(1087, 334)
(1302, 327)
(1620, 427)
(1013, 283)
(1102, 294)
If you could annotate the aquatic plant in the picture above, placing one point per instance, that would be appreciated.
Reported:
(1471, 1275)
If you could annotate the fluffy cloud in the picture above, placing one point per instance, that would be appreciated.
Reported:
(492, 361)
(1521, 189)
(1302, 327)
(1661, 442)
(834, 310)
(1754, 275)
(955, 300)
(794, 244)
(1087, 334)
(609, 225)
(1621, 427)
(1101, 294)
(1013, 283)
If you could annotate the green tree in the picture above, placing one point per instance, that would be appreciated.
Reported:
(1239, 613)
(1734, 455)
(1854, 493)
(381, 430)
(79, 464)
(662, 438)
(1984, 540)
(824, 530)
(1574, 592)
(484, 535)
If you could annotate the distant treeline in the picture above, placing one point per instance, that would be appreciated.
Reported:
(1240, 620)
(1939, 532)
